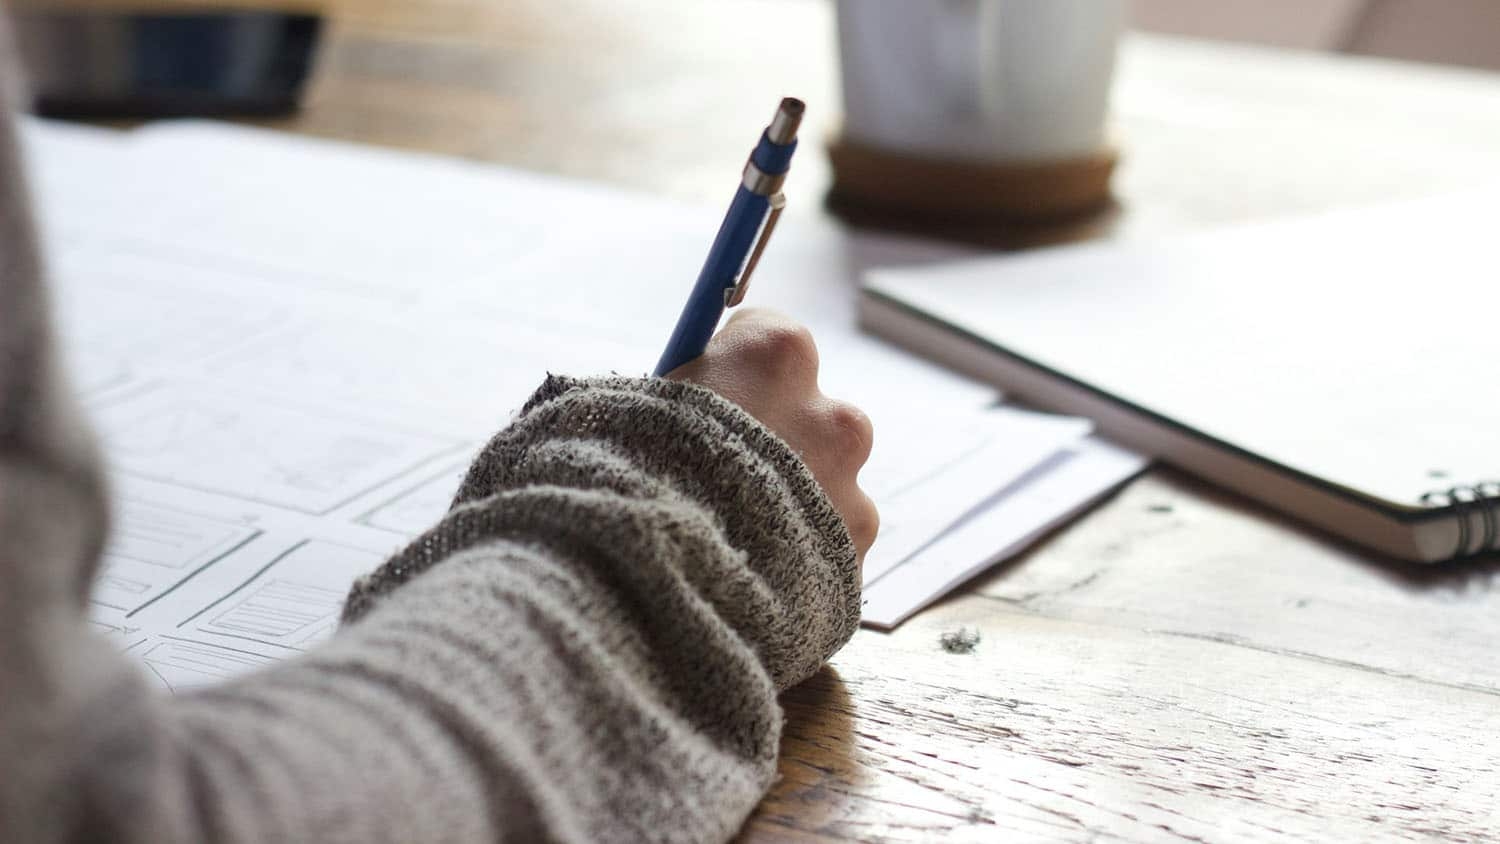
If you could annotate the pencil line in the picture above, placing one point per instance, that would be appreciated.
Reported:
(231, 593)
(237, 546)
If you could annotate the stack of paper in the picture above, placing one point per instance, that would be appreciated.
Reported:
(292, 348)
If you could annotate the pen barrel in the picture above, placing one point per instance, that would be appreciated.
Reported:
(771, 157)
(700, 316)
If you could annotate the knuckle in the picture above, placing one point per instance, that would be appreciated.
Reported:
(786, 347)
(863, 523)
(852, 428)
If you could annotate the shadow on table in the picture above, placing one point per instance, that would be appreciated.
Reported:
(1473, 573)
(1144, 521)
(1477, 573)
(817, 770)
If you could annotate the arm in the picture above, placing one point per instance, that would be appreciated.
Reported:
(588, 647)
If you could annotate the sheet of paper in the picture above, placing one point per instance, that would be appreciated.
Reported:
(1013, 520)
(956, 473)
(290, 373)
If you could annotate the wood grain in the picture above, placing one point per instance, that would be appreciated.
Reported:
(1179, 665)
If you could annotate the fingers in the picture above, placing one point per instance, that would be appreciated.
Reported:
(768, 364)
(851, 433)
(835, 439)
(844, 437)
(862, 519)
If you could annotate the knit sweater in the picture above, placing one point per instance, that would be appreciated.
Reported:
(587, 647)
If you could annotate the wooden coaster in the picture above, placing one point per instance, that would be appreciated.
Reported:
(892, 183)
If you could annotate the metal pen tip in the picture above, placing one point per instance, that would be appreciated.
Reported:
(783, 128)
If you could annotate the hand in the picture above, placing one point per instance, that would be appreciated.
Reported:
(768, 365)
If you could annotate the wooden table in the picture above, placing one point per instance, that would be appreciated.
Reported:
(1179, 665)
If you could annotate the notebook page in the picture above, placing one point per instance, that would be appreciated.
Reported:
(1351, 346)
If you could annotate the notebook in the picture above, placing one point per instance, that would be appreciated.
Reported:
(1340, 368)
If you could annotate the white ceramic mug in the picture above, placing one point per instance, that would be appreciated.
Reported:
(985, 80)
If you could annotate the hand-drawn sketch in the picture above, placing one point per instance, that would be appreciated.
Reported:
(180, 664)
(289, 603)
(152, 549)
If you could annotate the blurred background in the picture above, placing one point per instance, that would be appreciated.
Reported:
(669, 87)
(1464, 32)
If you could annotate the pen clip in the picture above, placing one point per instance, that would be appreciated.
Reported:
(736, 294)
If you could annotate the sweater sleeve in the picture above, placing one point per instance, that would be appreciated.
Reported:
(588, 647)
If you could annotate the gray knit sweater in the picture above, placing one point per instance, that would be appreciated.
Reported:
(588, 647)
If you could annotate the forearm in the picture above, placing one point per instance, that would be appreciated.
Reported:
(724, 508)
(497, 697)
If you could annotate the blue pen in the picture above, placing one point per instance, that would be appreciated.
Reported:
(741, 239)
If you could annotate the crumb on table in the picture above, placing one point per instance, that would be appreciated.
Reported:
(960, 641)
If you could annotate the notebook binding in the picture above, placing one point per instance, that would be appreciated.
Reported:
(1483, 497)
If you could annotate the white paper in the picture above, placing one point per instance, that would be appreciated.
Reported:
(1015, 519)
(959, 471)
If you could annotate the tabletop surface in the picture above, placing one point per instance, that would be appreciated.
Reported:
(1179, 664)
